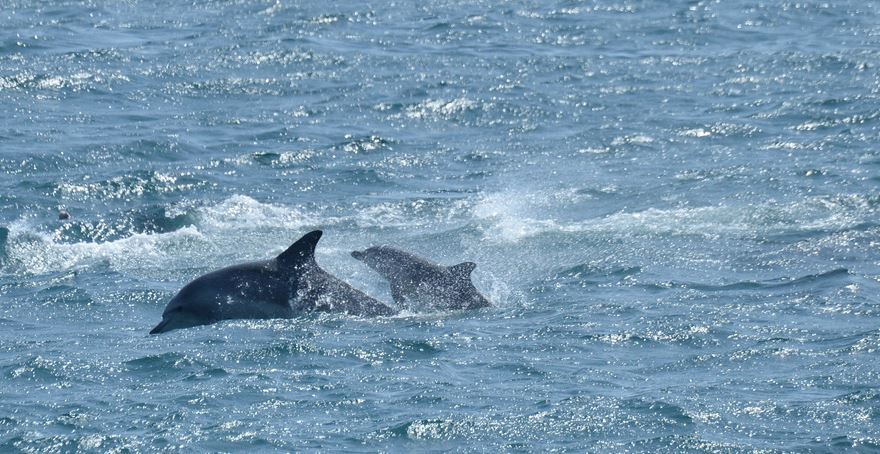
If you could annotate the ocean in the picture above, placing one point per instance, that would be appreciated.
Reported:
(673, 206)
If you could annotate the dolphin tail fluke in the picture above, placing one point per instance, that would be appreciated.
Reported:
(303, 251)
(463, 270)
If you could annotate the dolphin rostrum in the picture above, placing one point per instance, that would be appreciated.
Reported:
(414, 279)
(284, 287)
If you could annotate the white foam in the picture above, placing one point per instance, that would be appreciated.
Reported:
(34, 252)
(511, 217)
(242, 228)
(79, 81)
(410, 213)
(696, 132)
(239, 226)
(508, 221)
(636, 139)
(440, 108)
(241, 212)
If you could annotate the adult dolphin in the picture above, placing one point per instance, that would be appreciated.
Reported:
(415, 279)
(284, 287)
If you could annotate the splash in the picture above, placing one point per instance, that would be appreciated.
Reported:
(238, 225)
(34, 252)
(513, 217)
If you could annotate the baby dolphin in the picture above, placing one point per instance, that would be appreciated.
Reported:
(284, 287)
(415, 279)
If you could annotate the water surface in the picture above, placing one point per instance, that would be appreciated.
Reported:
(673, 205)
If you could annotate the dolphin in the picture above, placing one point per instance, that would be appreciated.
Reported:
(284, 287)
(414, 279)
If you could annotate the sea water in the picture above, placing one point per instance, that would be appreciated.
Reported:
(673, 207)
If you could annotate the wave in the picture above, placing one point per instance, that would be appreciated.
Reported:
(241, 212)
(4, 235)
(278, 349)
(695, 335)
(414, 349)
(187, 234)
(511, 217)
(97, 156)
(776, 283)
(39, 369)
(33, 252)
(160, 236)
(282, 160)
(170, 363)
(79, 81)
(235, 86)
(588, 270)
(156, 237)
(127, 187)
(440, 109)
(569, 418)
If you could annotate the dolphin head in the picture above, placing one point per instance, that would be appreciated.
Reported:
(384, 260)
(178, 319)
(192, 306)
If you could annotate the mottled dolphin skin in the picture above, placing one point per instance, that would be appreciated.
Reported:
(286, 286)
(414, 279)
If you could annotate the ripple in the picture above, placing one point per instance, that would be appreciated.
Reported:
(594, 274)
(439, 109)
(676, 208)
(128, 187)
(365, 145)
(150, 219)
(777, 283)
(64, 295)
(670, 413)
(566, 420)
(29, 251)
(170, 364)
(75, 82)
(414, 349)
(511, 218)
(4, 236)
(39, 369)
(520, 370)
(284, 160)
(277, 350)
(424, 429)
(867, 397)
(234, 86)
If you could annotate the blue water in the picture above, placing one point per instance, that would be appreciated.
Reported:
(675, 207)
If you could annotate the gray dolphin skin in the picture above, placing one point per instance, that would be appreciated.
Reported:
(284, 287)
(414, 279)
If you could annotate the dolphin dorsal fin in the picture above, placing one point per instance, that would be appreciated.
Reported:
(463, 270)
(301, 252)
